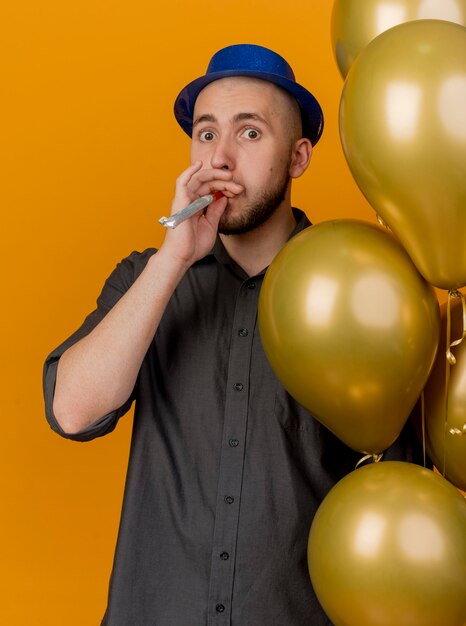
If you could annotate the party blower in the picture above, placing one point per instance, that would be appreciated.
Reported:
(195, 207)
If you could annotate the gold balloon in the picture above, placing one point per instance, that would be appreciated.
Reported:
(387, 547)
(403, 130)
(350, 328)
(446, 440)
(357, 23)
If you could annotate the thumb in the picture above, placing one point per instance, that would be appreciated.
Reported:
(215, 211)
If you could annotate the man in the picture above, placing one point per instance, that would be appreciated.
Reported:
(226, 470)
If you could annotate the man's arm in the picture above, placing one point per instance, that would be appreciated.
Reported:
(97, 374)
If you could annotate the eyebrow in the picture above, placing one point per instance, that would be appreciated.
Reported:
(239, 117)
(204, 118)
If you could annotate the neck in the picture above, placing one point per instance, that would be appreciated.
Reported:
(255, 250)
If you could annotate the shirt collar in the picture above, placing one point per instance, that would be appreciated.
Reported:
(222, 256)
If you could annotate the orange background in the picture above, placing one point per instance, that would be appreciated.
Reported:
(89, 154)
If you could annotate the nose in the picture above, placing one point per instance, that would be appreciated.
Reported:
(222, 156)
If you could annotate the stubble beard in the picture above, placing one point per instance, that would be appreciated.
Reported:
(256, 212)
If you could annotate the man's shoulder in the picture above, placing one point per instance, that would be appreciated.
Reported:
(136, 261)
(128, 269)
(301, 219)
(137, 258)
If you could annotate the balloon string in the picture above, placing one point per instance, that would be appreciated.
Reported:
(455, 294)
(423, 420)
(457, 431)
(381, 222)
(450, 360)
(375, 459)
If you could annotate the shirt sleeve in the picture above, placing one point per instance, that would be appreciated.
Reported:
(114, 288)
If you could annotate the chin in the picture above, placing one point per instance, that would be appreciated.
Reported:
(233, 212)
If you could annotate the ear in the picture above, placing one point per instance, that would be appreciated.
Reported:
(300, 157)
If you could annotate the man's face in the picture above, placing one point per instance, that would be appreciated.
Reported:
(243, 125)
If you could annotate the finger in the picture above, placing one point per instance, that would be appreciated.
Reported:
(213, 174)
(231, 194)
(184, 178)
(228, 188)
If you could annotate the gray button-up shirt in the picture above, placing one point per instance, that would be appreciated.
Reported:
(226, 470)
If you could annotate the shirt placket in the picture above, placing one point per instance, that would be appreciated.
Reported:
(232, 456)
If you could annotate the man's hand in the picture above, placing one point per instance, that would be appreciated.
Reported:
(194, 238)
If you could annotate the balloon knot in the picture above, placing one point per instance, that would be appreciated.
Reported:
(374, 457)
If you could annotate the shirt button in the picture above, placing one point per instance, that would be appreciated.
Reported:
(251, 285)
(224, 556)
(243, 332)
(239, 386)
(219, 608)
(233, 443)
(229, 499)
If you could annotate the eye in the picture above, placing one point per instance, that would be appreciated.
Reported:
(206, 135)
(251, 133)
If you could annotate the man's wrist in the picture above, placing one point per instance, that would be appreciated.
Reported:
(170, 264)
